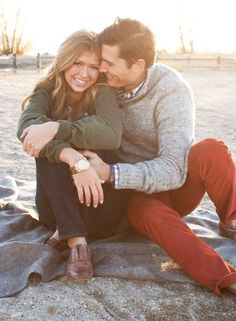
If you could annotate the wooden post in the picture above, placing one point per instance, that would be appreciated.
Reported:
(14, 61)
(188, 60)
(218, 61)
(38, 61)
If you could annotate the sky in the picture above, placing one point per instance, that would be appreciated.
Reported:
(210, 23)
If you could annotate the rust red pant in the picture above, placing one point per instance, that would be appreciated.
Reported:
(211, 169)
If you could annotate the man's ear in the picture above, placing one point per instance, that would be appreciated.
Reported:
(139, 65)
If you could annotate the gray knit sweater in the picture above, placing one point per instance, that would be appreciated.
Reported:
(158, 133)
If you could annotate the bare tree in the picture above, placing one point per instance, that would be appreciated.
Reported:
(189, 48)
(183, 49)
(11, 39)
(5, 39)
(191, 43)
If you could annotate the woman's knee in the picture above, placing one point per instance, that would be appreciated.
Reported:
(47, 170)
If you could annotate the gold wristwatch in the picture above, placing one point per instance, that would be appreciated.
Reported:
(80, 166)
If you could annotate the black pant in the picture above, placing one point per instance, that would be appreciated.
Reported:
(59, 207)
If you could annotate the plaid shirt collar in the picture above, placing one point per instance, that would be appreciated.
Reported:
(126, 95)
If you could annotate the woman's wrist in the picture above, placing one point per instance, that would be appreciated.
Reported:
(70, 156)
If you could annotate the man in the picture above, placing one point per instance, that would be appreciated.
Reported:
(169, 175)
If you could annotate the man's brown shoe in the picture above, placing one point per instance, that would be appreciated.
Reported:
(79, 265)
(227, 231)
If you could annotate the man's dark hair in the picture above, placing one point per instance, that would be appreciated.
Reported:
(135, 40)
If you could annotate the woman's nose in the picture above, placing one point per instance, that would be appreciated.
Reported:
(84, 71)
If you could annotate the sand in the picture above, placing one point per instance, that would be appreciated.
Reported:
(110, 298)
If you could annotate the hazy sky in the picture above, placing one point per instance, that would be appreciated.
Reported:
(211, 23)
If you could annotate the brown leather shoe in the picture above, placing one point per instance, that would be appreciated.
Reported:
(79, 265)
(59, 245)
(227, 231)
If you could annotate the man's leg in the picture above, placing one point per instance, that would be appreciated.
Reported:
(211, 169)
(158, 215)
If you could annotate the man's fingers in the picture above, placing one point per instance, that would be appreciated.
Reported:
(88, 153)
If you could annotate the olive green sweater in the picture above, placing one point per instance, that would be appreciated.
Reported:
(100, 132)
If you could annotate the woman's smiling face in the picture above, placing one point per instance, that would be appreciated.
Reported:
(84, 72)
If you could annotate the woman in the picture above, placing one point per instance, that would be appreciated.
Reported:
(70, 110)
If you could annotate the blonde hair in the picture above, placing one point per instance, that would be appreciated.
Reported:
(54, 82)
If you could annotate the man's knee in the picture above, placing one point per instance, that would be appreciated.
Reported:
(209, 148)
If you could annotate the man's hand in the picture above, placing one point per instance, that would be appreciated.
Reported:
(37, 136)
(102, 169)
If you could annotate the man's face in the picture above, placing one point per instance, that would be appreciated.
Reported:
(116, 69)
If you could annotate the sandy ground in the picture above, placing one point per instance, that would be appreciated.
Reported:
(110, 298)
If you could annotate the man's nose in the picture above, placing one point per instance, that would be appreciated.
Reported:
(103, 67)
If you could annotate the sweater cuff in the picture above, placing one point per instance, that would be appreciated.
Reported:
(127, 178)
(53, 149)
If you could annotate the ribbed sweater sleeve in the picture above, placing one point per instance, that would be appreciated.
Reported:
(100, 131)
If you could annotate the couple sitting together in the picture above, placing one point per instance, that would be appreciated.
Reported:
(112, 132)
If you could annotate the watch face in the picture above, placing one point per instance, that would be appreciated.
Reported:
(82, 165)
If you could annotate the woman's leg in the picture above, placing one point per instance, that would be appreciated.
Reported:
(45, 211)
(56, 186)
(103, 221)
(75, 220)
(64, 209)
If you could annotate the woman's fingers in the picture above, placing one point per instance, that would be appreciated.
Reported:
(80, 192)
(87, 195)
(100, 192)
(89, 187)
(25, 132)
(90, 193)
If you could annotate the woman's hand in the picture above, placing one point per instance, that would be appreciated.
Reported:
(89, 187)
(87, 183)
(37, 136)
